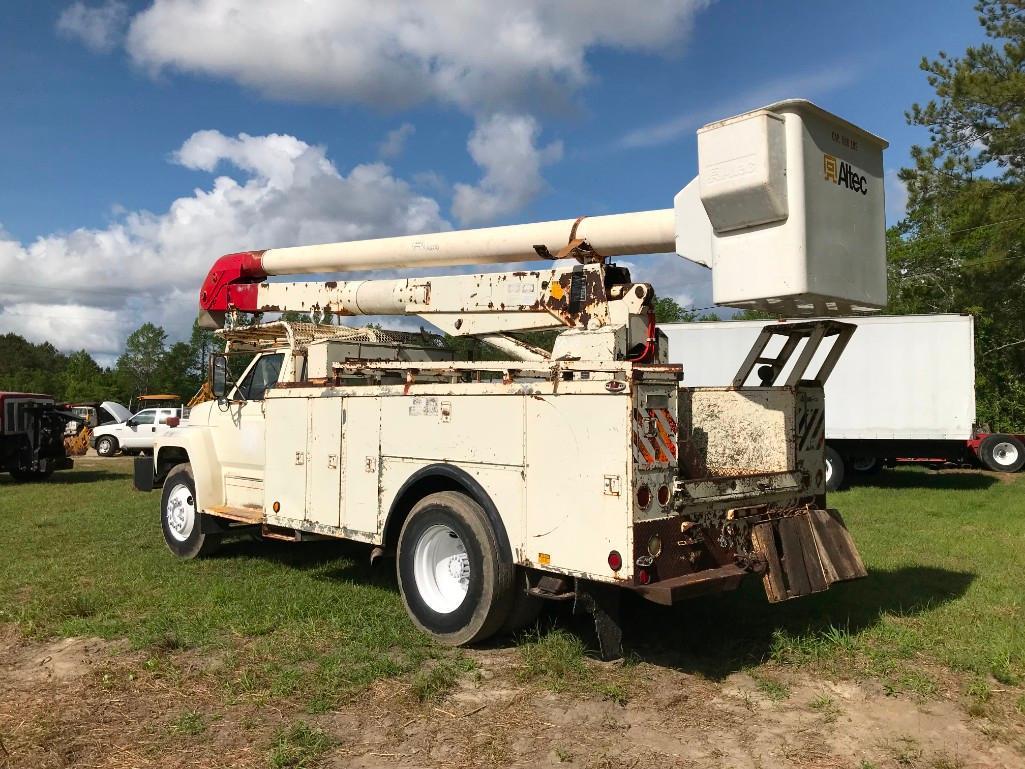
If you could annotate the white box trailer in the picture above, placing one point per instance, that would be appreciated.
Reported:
(904, 388)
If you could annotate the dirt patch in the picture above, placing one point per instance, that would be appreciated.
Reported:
(677, 720)
(85, 702)
(61, 660)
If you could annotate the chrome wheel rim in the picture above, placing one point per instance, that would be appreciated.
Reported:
(441, 569)
(1005, 454)
(181, 512)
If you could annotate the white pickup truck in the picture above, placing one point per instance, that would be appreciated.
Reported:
(136, 434)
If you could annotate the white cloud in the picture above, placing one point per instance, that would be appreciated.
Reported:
(395, 141)
(896, 197)
(485, 58)
(89, 287)
(480, 56)
(804, 86)
(100, 28)
(505, 147)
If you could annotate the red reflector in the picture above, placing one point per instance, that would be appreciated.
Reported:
(663, 495)
(643, 496)
(615, 560)
(643, 576)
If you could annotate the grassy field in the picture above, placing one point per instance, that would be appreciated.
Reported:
(942, 608)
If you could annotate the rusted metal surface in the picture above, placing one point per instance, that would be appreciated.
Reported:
(805, 554)
(814, 333)
(669, 591)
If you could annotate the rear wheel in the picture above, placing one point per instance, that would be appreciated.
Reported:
(451, 574)
(834, 469)
(1002, 453)
(181, 522)
(106, 446)
(866, 465)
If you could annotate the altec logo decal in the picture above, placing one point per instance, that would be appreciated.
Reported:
(843, 174)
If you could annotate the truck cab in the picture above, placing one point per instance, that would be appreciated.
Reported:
(137, 433)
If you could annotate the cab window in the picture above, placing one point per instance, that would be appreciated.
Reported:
(262, 375)
(144, 417)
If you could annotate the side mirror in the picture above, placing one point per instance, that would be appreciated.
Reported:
(131, 423)
(219, 379)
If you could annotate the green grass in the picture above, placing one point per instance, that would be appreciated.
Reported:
(558, 661)
(434, 681)
(772, 687)
(946, 561)
(299, 747)
(83, 555)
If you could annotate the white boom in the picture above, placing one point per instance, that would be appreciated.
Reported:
(644, 232)
(787, 210)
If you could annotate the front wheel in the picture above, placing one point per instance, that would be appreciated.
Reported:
(1002, 453)
(106, 446)
(181, 522)
(451, 574)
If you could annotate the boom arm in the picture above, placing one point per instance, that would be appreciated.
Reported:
(774, 211)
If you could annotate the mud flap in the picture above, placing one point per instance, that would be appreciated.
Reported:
(806, 553)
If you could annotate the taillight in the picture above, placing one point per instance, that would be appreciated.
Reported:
(643, 496)
(663, 495)
(643, 576)
(615, 560)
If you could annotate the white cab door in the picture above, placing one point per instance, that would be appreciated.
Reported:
(239, 437)
(137, 432)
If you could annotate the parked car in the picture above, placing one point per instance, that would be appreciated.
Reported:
(136, 434)
(78, 434)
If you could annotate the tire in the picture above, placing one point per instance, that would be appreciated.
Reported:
(446, 532)
(106, 446)
(182, 524)
(1002, 453)
(835, 469)
(525, 607)
(866, 465)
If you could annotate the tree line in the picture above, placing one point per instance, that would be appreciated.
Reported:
(149, 364)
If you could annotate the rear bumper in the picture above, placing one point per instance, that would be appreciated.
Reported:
(797, 553)
(142, 477)
(669, 591)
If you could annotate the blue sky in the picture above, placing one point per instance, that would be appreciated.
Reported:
(110, 208)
